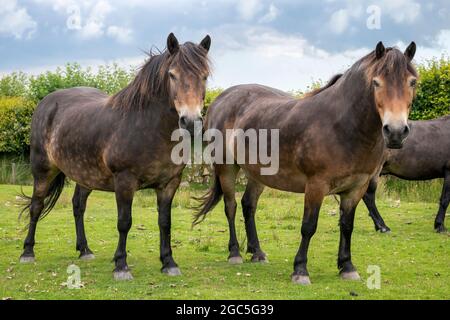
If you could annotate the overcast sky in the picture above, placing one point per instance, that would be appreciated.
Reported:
(284, 44)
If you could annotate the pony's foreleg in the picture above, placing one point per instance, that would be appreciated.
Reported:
(249, 202)
(164, 198)
(314, 194)
(349, 202)
(369, 200)
(439, 225)
(125, 186)
(79, 200)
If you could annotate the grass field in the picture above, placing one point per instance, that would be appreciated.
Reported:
(414, 261)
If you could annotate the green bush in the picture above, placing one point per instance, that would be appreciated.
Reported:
(14, 85)
(15, 121)
(109, 78)
(433, 94)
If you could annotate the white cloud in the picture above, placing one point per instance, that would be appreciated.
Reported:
(246, 54)
(122, 35)
(339, 21)
(93, 18)
(15, 21)
(401, 11)
(95, 24)
(443, 40)
(271, 15)
(248, 8)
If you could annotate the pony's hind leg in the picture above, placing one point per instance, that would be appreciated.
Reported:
(227, 177)
(249, 202)
(79, 200)
(439, 225)
(40, 191)
(369, 200)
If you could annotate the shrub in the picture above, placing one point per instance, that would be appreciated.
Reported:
(433, 94)
(211, 95)
(14, 85)
(109, 78)
(15, 121)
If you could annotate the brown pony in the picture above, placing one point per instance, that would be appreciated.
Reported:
(330, 142)
(120, 144)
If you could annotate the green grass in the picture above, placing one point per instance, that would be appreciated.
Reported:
(414, 261)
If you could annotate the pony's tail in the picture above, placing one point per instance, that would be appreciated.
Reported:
(208, 201)
(54, 191)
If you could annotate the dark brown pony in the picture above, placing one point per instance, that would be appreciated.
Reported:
(424, 156)
(330, 142)
(120, 144)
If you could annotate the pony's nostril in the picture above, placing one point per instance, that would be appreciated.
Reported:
(406, 131)
(386, 130)
(183, 121)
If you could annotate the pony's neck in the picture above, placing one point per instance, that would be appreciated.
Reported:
(359, 114)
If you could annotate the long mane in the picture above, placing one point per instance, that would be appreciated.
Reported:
(151, 81)
(393, 63)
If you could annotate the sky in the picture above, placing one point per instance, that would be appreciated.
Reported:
(286, 44)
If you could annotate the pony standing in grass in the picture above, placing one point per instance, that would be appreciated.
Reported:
(330, 142)
(120, 144)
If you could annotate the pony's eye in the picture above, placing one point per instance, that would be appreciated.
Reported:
(413, 83)
(172, 76)
(376, 84)
(205, 78)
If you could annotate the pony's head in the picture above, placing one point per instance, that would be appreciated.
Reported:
(393, 80)
(186, 73)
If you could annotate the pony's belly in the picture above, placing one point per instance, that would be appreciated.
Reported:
(285, 180)
(92, 179)
(349, 183)
(89, 175)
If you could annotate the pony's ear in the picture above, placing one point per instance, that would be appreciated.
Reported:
(410, 51)
(172, 43)
(206, 43)
(380, 50)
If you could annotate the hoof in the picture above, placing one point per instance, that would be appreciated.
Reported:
(87, 257)
(260, 258)
(173, 271)
(299, 279)
(385, 230)
(123, 275)
(352, 275)
(235, 260)
(440, 229)
(27, 259)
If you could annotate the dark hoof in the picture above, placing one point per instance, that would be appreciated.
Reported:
(352, 275)
(301, 279)
(261, 258)
(172, 271)
(235, 260)
(123, 275)
(440, 229)
(87, 257)
(27, 259)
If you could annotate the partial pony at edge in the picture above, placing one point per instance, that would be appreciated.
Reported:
(208, 201)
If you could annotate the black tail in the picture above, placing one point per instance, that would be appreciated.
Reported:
(208, 201)
(55, 190)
